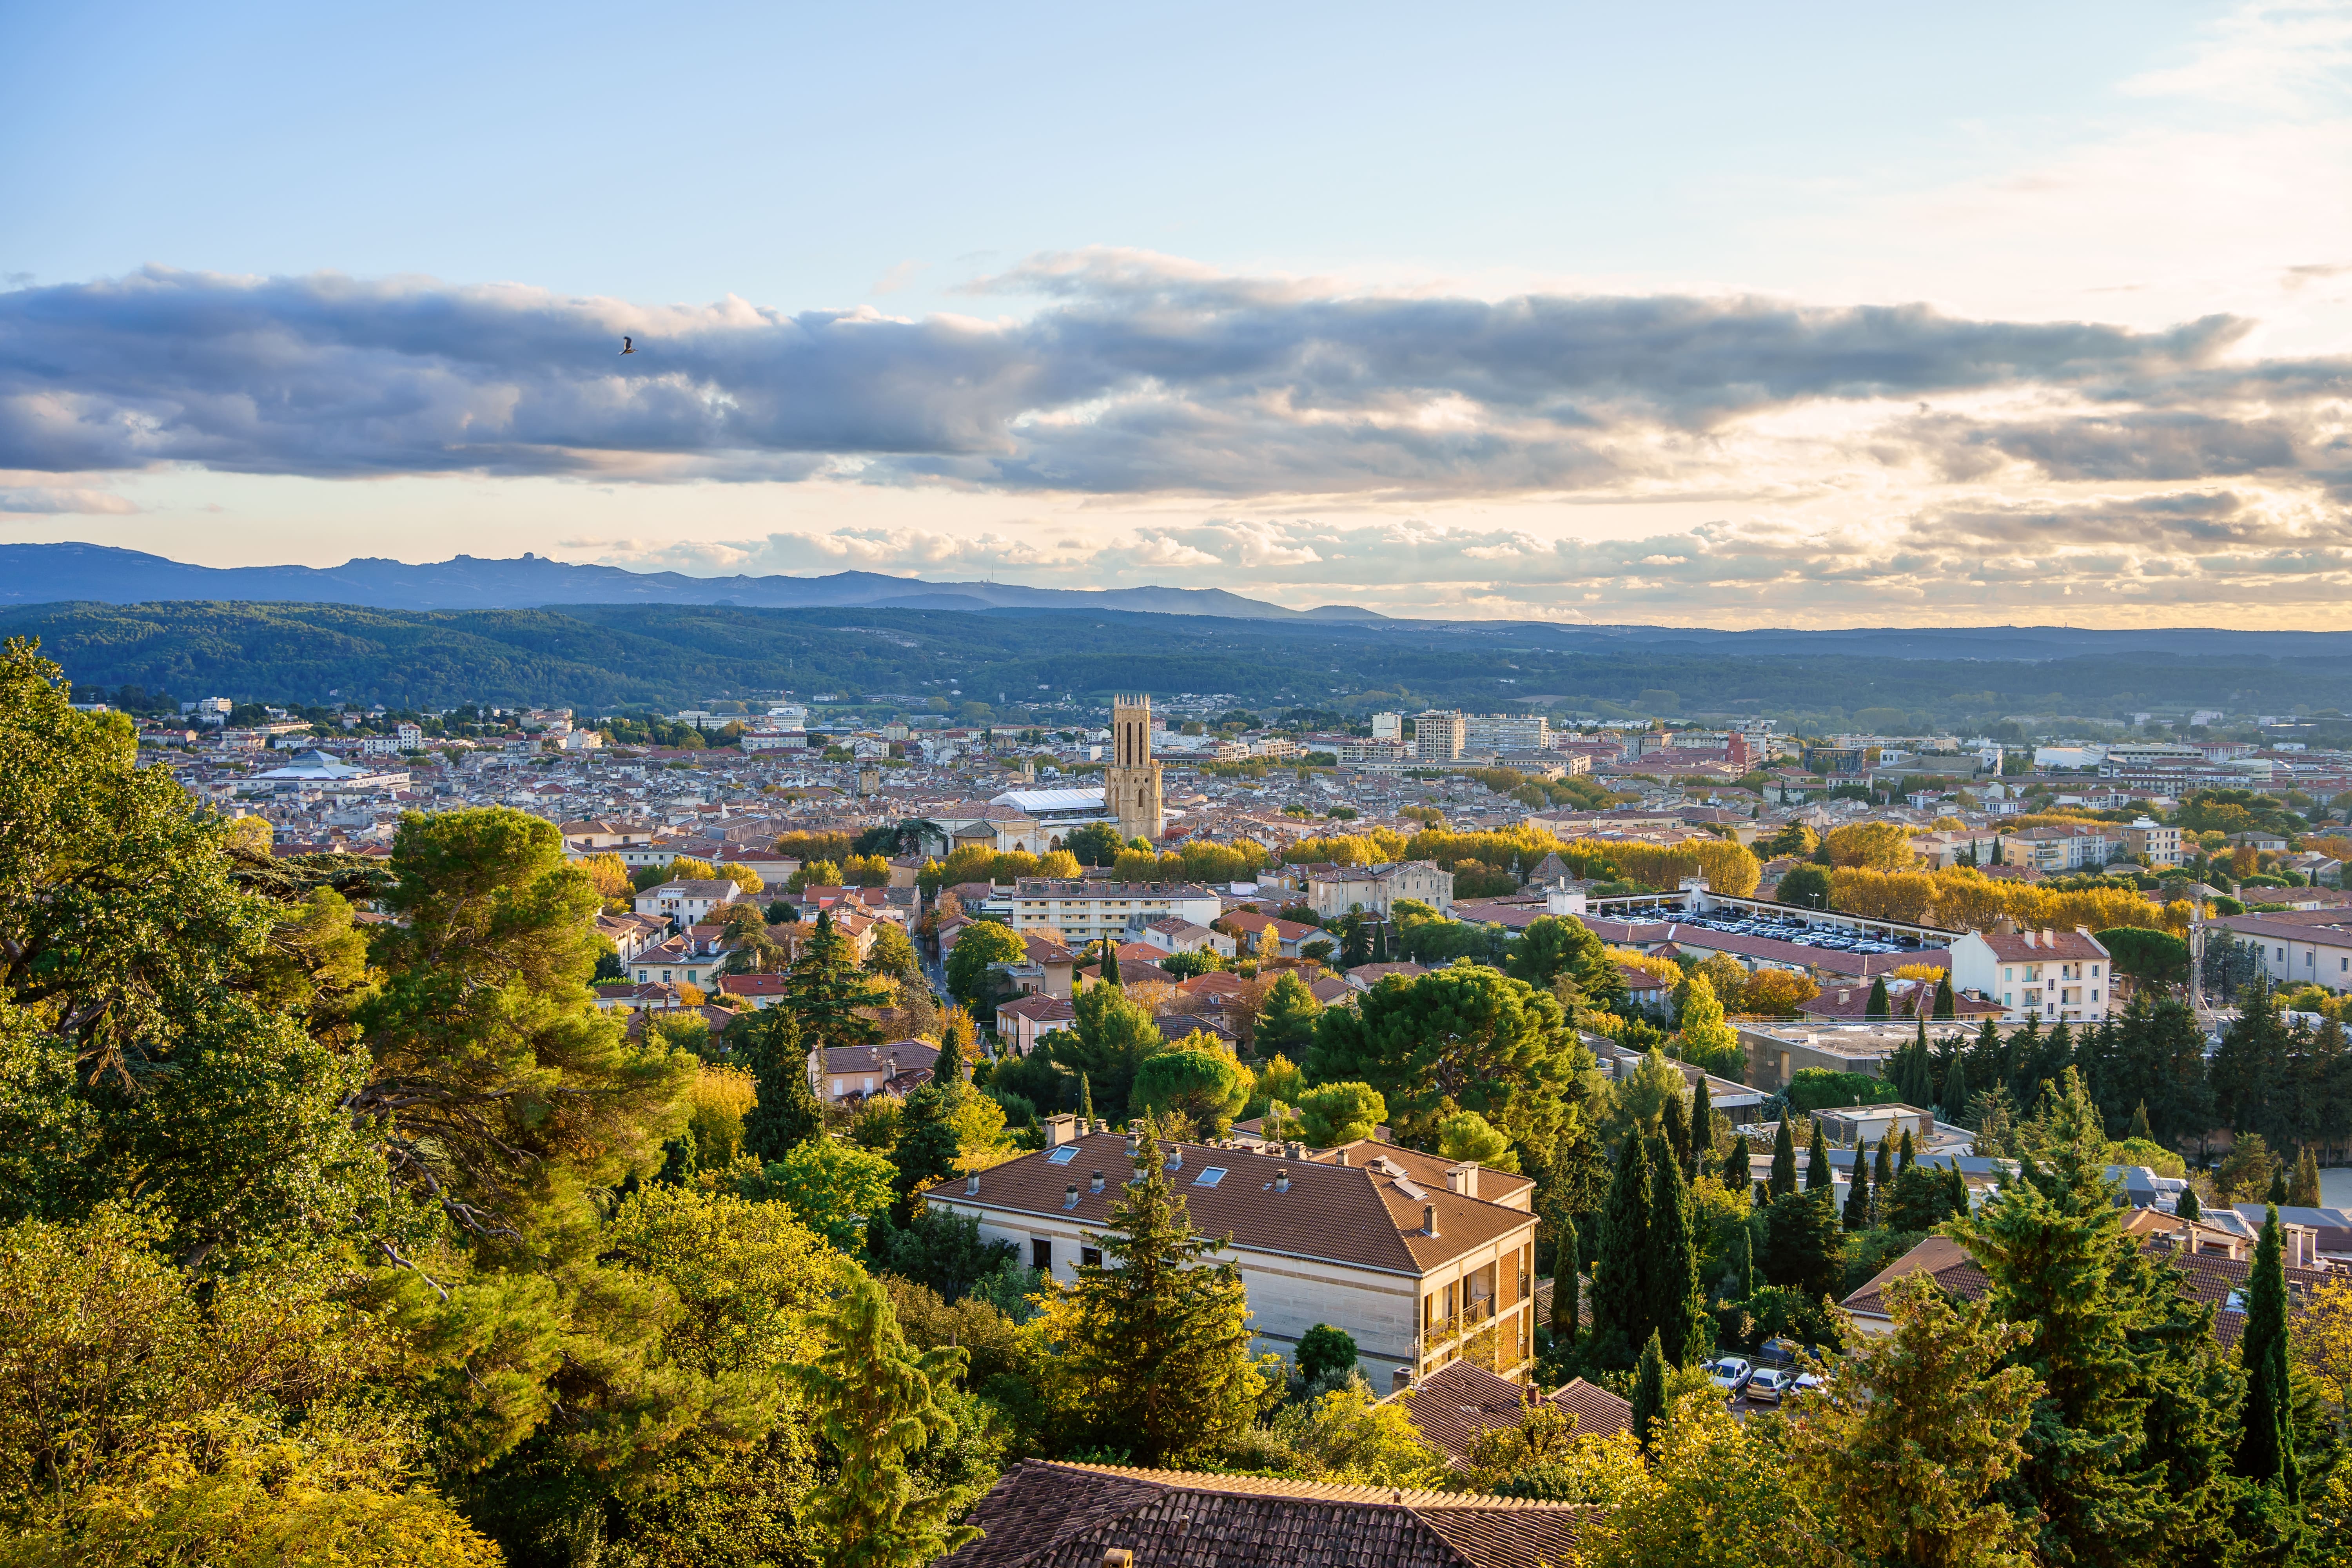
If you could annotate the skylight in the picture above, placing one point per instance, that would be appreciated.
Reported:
(1209, 1177)
(1063, 1155)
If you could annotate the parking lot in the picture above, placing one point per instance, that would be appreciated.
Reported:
(1836, 939)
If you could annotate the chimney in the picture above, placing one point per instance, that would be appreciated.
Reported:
(2049, 937)
(1282, 1180)
(1464, 1179)
(1096, 1185)
(1070, 1196)
(971, 1185)
(1343, 1156)
(1400, 1380)
(1429, 1219)
(1117, 1557)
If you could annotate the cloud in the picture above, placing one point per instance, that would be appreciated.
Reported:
(49, 500)
(1134, 375)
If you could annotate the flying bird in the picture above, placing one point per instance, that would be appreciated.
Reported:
(627, 345)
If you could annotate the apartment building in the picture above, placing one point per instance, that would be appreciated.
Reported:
(1374, 890)
(2157, 845)
(690, 901)
(2054, 850)
(1438, 736)
(2057, 977)
(2295, 952)
(1086, 911)
(1486, 733)
(1419, 1258)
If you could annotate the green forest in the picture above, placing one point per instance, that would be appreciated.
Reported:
(606, 657)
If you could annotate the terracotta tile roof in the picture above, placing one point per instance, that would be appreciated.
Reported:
(2211, 1280)
(1043, 1514)
(909, 1055)
(2016, 946)
(1453, 1405)
(1428, 1170)
(1349, 1214)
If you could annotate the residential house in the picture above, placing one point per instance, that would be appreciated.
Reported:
(2294, 952)
(845, 1074)
(2154, 842)
(2052, 975)
(688, 902)
(1455, 1404)
(754, 990)
(1247, 930)
(1023, 1021)
(1375, 889)
(1362, 1237)
(1173, 935)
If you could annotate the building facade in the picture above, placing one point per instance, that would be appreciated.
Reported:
(1084, 909)
(1131, 779)
(2056, 976)
(1374, 890)
(1439, 736)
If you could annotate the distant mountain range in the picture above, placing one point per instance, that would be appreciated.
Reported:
(52, 574)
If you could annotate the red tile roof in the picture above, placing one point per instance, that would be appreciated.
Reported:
(1455, 1404)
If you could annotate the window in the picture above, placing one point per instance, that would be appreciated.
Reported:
(1063, 1155)
(1041, 1253)
(1090, 1257)
(836, 1088)
(2095, 972)
(2005, 975)
(1209, 1177)
(665, 976)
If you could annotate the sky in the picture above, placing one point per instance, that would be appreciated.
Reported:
(1817, 315)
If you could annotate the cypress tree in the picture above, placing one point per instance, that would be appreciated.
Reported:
(1955, 1089)
(2303, 1190)
(1909, 1151)
(1882, 1171)
(1875, 1009)
(1783, 1178)
(1737, 1169)
(1678, 1306)
(1947, 1005)
(2139, 1127)
(1818, 1177)
(1649, 1391)
(1087, 1100)
(2277, 1195)
(1564, 1315)
(786, 1113)
(2188, 1207)
(1739, 1276)
(1674, 1126)
(1620, 1295)
(1702, 1129)
(1109, 964)
(2266, 1445)
(1857, 1196)
(1959, 1186)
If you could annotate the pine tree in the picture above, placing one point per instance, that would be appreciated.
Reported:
(1564, 1313)
(1882, 1169)
(1738, 1159)
(1857, 1197)
(1678, 1303)
(1649, 1391)
(875, 1400)
(786, 1114)
(2303, 1190)
(1947, 1005)
(929, 1147)
(2266, 1449)
(1875, 1010)
(1157, 1351)
(825, 989)
(1820, 1177)
(1621, 1293)
(1784, 1160)
(2188, 1207)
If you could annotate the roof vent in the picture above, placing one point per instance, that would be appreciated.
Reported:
(1429, 1219)
(1070, 1196)
(1117, 1557)
(1282, 1180)
(1343, 1156)
(1176, 1158)
(1096, 1185)
(972, 1186)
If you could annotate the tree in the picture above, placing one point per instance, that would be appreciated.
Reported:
(1325, 1351)
(1094, 844)
(1956, 1091)
(875, 1401)
(2302, 1191)
(1739, 1164)
(2156, 957)
(1649, 1391)
(2186, 1208)
(1806, 886)
(1947, 1005)
(1623, 1304)
(1552, 946)
(1875, 846)
(1706, 1039)
(929, 1145)
(976, 946)
(1156, 1337)
(1857, 1196)
(1286, 1020)
(1783, 1178)
(1565, 1317)
(1464, 1135)
(1678, 1304)
(1331, 1114)
(1775, 992)
(1820, 1176)
(2253, 1066)
(1802, 1246)
(1108, 1042)
(825, 991)
(2266, 1450)
(893, 954)
(1206, 1085)
(1460, 1038)
(1878, 1009)
(1910, 1447)
(787, 1113)
(835, 1188)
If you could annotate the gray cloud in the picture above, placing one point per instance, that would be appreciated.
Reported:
(1134, 375)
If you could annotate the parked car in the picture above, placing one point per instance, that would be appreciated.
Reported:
(1729, 1373)
(1769, 1384)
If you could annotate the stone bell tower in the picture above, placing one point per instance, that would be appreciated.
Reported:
(1131, 782)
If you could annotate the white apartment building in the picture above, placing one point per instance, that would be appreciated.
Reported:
(2060, 850)
(2159, 844)
(2293, 954)
(2057, 977)
(1385, 726)
(1413, 1255)
(1489, 733)
(1086, 911)
(1438, 735)
(690, 902)
(1374, 890)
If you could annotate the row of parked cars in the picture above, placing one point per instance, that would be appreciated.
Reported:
(1766, 1384)
(1836, 938)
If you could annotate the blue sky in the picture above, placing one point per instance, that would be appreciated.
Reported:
(1706, 314)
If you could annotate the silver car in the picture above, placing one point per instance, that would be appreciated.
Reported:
(1729, 1373)
(1768, 1384)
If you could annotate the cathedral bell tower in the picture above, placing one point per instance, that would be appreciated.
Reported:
(1131, 782)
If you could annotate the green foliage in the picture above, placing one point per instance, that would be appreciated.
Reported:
(2156, 957)
(834, 1187)
(1803, 1248)
(826, 993)
(1465, 1135)
(1806, 886)
(1108, 1043)
(1819, 1088)
(976, 946)
(769, 1043)
(1285, 1021)
(942, 1252)
(2266, 1449)
(1207, 1087)
(1325, 1351)
(1334, 1113)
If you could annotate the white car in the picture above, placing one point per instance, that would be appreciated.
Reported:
(1769, 1384)
(1729, 1373)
